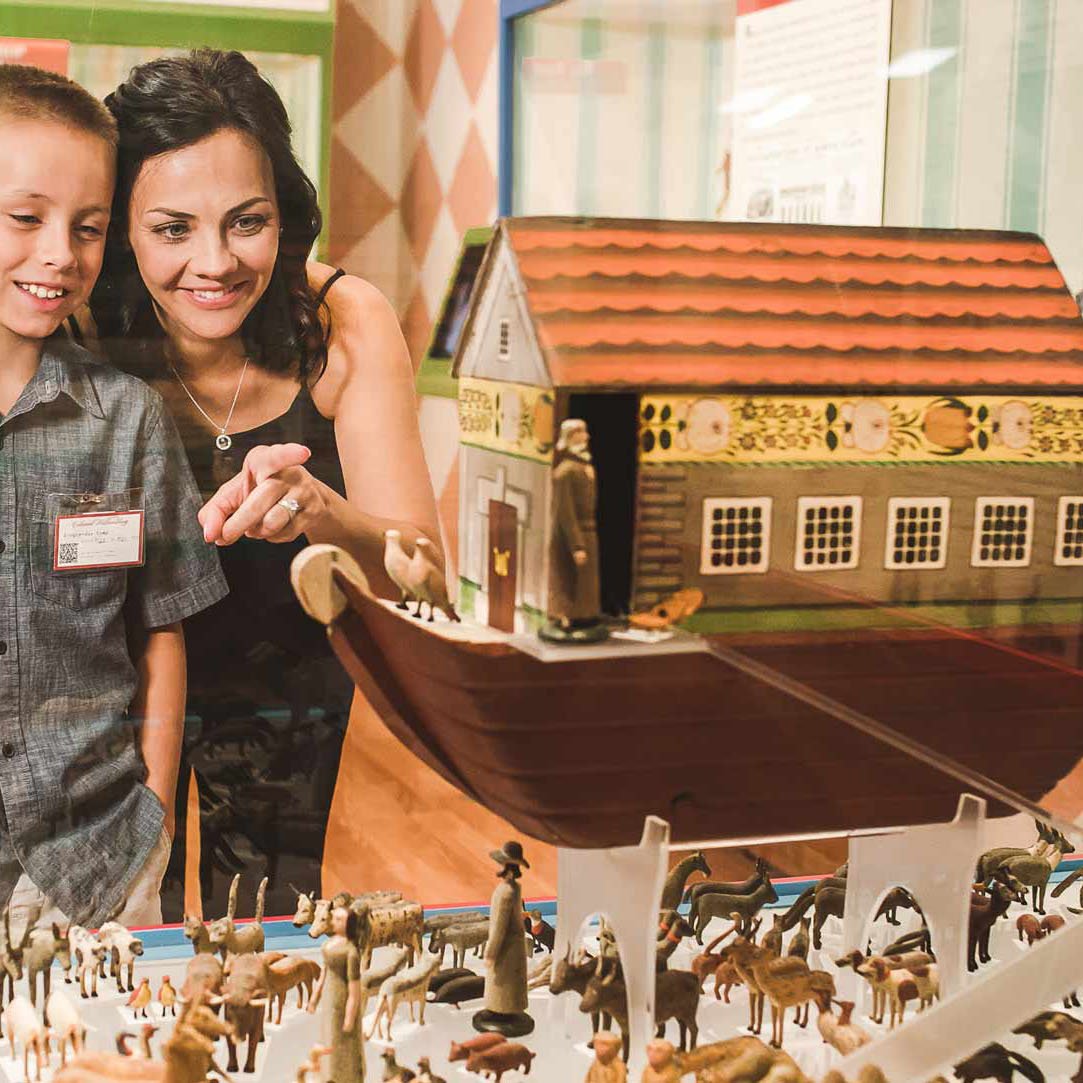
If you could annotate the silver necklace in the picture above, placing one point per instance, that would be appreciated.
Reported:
(223, 441)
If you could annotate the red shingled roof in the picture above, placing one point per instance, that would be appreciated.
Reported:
(677, 303)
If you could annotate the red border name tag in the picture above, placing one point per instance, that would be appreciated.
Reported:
(107, 539)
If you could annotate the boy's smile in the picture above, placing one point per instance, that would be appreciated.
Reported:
(55, 192)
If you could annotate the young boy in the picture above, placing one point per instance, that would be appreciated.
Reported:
(99, 543)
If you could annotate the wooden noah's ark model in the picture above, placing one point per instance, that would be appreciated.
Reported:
(862, 447)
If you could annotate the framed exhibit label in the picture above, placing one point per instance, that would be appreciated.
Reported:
(809, 111)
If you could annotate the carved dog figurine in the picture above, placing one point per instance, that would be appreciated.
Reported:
(411, 986)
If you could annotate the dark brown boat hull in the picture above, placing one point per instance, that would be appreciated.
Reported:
(577, 753)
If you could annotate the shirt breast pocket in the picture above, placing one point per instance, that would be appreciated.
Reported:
(75, 588)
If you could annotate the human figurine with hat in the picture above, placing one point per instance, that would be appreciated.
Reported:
(505, 951)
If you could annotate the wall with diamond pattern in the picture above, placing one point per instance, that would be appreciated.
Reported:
(414, 144)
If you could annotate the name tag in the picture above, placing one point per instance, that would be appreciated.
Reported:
(98, 540)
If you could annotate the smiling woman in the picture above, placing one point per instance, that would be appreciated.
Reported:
(293, 393)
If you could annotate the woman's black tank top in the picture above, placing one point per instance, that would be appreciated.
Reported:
(260, 611)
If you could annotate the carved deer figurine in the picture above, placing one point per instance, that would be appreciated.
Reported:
(246, 940)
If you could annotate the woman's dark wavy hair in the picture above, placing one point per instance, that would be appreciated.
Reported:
(172, 103)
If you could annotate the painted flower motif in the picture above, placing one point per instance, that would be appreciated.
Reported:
(948, 426)
(866, 425)
(748, 411)
(1012, 425)
(748, 442)
(709, 425)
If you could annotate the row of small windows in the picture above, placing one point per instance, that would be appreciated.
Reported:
(737, 533)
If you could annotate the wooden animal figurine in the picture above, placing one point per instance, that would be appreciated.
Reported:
(543, 934)
(918, 940)
(202, 979)
(993, 1061)
(799, 943)
(42, 947)
(676, 996)
(1050, 924)
(377, 900)
(671, 609)
(506, 1057)
(985, 910)
(88, 953)
(167, 997)
(245, 996)
(896, 899)
(305, 912)
(772, 939)
(538, 972)
(897, 988)
(1028, 926)
(740, 887)
(428, 582)
(425, 1074)
(477, 1044)
(393, 1071)
(289, 973)
(839, 1031)
(460, 938)
(1052, 1027)
(230, 939)
(505, 950)
(744, 1059)
(400, 923)
(340, 980)
(312, 1065)
(607, 1066)
(139, 1000)
(65, 1024)
(187, 1052)
(21, 1025)
(442, 921)
(397, 566)
(11, 958)
(122, 949)
(671, 931)
(374, 977)
(719, 904)
(196, 932)
(678, 876)
(992, 859)
(570, 975)
(410, 986)
(460, 991)
(124, 1037)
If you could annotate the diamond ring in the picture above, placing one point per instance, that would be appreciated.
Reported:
(290, 505)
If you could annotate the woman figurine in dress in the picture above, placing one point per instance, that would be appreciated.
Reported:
(505, 951)
(341, 981)
(290, 384)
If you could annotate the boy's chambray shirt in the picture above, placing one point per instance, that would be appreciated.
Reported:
(76, 810)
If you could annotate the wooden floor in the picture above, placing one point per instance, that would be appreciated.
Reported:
(396, 824)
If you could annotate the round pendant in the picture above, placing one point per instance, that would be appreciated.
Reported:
(223, 442)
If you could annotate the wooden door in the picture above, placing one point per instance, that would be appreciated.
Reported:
(503, 565)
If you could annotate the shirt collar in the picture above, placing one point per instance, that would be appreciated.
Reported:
(65, 368)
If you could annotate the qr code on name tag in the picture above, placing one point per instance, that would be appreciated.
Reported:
(69, 554)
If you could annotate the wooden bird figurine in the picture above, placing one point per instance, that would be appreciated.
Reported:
(839, 1030)
(426, 580)
(425, 1073)
(139, 1000)
(397, 566)
(167, 996)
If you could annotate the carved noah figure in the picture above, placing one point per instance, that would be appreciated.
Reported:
(505, 951)
(575, 585)
(341, 981)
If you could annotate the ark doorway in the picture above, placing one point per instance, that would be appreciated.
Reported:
(613, 420)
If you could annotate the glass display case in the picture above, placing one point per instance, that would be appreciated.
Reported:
(943, 114)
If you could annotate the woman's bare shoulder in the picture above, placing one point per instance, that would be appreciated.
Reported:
(365, 335)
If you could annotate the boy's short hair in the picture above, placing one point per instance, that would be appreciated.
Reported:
(29, 93)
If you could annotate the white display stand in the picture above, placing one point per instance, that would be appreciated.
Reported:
(935, 863)
(623, 884)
